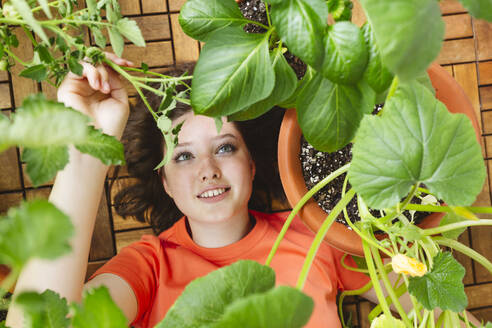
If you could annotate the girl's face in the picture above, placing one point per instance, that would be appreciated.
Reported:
(210, 175)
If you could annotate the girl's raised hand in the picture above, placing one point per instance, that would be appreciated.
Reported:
(98, 93)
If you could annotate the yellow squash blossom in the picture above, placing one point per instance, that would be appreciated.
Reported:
(407, 265)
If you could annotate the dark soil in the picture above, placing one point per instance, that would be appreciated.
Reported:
(3, 313)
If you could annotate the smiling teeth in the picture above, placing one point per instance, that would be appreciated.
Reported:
(212, 193)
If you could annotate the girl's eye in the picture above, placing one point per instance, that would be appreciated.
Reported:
(226, 148)
(183, 157)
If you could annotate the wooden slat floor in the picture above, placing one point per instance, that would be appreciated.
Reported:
(466, 54)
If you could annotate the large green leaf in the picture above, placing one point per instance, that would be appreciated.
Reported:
(301, 24)
(377, 75)
(234, 71)
(345, 53)
(291, 101)
(98, 310)
(35, 229)
(36, 72)
(40, 122)
(409, 34)
(329, 113)
(102, 146)
(285, 85)
(442, 286)
(279, 307)
(416, 140)
(117, 42)
(200, 18)
(479, 8)
(205, 299)
(451, 218)
(129, 29)
(46, 310)
(44, 162)
(24, 10)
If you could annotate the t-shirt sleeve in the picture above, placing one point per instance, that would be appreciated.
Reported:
(138, 265)
(348, 279)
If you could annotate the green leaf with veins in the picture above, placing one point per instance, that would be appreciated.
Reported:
(329, 113)
(279, 307)
(102, 146)
(46, 310)
(97, 310)
(35, 229)
(37, 72)
(24, 10)
(205, 299)
(129, 29)
(416, 140)
(91, 6)
(117, 42)
(75, 66)
(479, 8)
(409, 34)
(43, 163)
(99, 37)
(199, 19)
(345, 53)
(285, 85)
(425, 80)
(301, 24)
(451, 218)
(442, 286)
(241, 76)
(40, 122)
(291, 101)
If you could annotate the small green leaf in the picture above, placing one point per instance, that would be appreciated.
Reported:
(75, 66)
(218, 81)
(170, 145)
(205, 299)
(43, 163)
(44, 53)
(279, 307)
(98, 310)
(91, 6)
(479, 8)
(24, 10)
(36, 229)
(218, 124)
(164, 123)
(384, 321)
(199, 19)
(442, 286)
(46, 7)
(416, 139)
(451, 218)
(117, 42)
(285, 85)
(345, 53)
(110, 13)
(46, 310)
(102, 146)
(301, 25)
(129, 29)
(99, 37)
(37, 72)
(409, 34)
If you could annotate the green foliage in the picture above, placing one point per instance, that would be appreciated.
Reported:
(46, 310)
(451, 218)
(409, 34)
(442, 286)
(35, 229)
(479, 8)
(97, 311)
(37, 72)
(23, 8)
(206, 299)
(384, 321)
(417, 140)
(44, 162)
(129, 29)
(102, 146)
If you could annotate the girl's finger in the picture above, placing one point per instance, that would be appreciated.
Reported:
(104, 79)
(92, 75)
(118, 60)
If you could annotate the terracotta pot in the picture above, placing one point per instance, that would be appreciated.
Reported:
(448, 91)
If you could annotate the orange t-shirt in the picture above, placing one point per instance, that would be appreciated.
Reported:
(159, 268)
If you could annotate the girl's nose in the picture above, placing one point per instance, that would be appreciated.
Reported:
(209, 170)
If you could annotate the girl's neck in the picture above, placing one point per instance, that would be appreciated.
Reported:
(220, 234)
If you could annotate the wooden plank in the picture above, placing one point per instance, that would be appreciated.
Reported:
(486, 98)
(175, 5)
(465, 260)
(120, 184)
(154, 54)
(483, 198)
(487, 123)
(49, 91)
(130, 7)
(119, 223)
(9, 172)
(28, 182)
(479, 295)
(185, 48)
(365, 308)
(481, 241)
(466, 76)
(483, 314)
(118, 171)
(40, 193)
(126, 238)
(358, 16)
(154, 6)
(451, 7)
(458, 26)
(9, 200)
(4, 76)
(457, 51)
(102, 238)
(92, 267)
(485, 71)
(449, 69)
(350, 310)
(483, 35)
(155, 27)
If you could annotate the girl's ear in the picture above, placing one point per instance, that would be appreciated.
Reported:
(164, 183)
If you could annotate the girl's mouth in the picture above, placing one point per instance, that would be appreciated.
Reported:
(214, 195)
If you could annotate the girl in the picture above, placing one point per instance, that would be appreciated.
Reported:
(209, 179)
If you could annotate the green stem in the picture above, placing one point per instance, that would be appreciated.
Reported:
(17, 59)
(391, 92)
(474, 255)
(145, 86)
(442, 208)
(268, 14)
(300, 204)
(38, 8)
(359, 291)
(29, 35)
(73, 21)
(377, 310)
(452, 226)
(320, 235)
(258, 23)
(149, 79)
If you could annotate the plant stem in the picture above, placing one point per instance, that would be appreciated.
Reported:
(17, 59)
(74, 21)
(149, 79)
(377, 310)
(452, 226)
(391, 92)
(474, 255)
(320, 235)
(38, 8)
(268, 15)
(359, 291)
(29, 35)
(442, 208)
(299, 205)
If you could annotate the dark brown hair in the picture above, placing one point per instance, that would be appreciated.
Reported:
(146, 200)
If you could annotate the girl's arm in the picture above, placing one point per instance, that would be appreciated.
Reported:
(77, 191)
